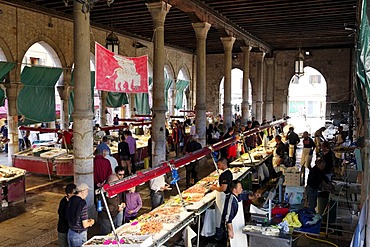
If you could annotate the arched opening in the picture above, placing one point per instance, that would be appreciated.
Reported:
(169, 89)
(236, 93)
(307, 101)
(182, 76)
(2, 55)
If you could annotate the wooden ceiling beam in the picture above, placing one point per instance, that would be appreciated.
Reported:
(207, 14)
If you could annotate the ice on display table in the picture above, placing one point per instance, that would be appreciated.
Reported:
(125, 241)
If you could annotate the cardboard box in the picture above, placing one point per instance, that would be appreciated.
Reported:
(295, 194)
(292, 179)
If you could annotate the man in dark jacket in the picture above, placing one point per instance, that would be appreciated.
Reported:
(293, 140)
(192, 168)
(62, 221)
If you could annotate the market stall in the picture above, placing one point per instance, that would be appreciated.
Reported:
(45, 160)
(12, 184)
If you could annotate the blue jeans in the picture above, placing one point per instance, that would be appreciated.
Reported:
(118, 220)
(76, 239)
(156, 198)
(311, 197)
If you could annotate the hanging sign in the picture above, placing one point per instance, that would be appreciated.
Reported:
(116, 73)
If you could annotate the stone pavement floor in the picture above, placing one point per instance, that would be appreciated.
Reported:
(34, 223)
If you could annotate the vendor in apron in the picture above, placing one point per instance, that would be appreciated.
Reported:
(307, 152)
(233, 214)
(278, 154)
(222, 189)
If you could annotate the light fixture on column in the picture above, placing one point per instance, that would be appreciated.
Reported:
(298, 64)
(112, 42)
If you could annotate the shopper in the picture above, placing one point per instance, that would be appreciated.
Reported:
(132, 146)
(193, 167)
(102, 169)
(133, 204)
(104, 145)
(4, 132)
(76, 214)
(157, 187)
(115, 207)
(222, 189)
(124, 154)
(279, 152)
(233, 214)
(62, 221)
(113, 162)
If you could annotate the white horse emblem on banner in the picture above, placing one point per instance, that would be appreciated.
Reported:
(126, 73)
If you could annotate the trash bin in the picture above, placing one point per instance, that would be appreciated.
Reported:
(322, 202)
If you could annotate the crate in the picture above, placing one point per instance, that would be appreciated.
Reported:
(292, 179)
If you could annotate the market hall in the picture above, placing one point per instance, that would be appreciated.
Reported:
(205, 41)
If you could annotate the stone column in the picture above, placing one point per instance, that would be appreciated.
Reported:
(82, 114)
(269, 88)
(132, 104)
(201, 30)
(158, 11)
(228, 43)
(245, 104)
(102, 107)
(171, 98)
(259, 99)
(64, 94)
(12, 91)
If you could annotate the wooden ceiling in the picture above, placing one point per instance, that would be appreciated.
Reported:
(264, 24)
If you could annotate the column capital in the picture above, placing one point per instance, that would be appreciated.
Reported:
(158, 10)
(260, 55)
(269, 60)
(228, 42)
(246, 48)
(13, 89)
(201, 29)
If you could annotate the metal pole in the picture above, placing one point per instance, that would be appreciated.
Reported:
(110, 217)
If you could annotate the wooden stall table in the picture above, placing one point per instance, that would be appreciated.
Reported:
(13, 182)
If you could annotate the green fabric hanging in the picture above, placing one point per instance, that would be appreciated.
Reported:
(180, 87)
(142, 101)
(115, 99)
(36, 100)
(72, 95)
(363, 56)
(5, 68)
(167, 85)
(2, 97)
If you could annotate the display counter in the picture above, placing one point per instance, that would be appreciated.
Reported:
(12, 184)
(45, 160)
(141, 147)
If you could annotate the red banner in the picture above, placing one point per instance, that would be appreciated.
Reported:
(116, 73)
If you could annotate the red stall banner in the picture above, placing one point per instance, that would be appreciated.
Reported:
(116, 73)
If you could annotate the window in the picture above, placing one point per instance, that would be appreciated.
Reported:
(315, 79)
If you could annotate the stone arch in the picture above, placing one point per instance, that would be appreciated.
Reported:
(170, 70)
(170, 74)
(236, 91)
(307, 97)
(49, 43)
(5, 53)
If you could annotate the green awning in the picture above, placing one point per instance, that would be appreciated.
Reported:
(116, 100)
(2, 97)
(36, 100)
(180, 87)
(142, 101)
(5, 68)
(362, 88)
